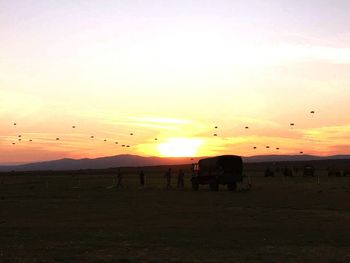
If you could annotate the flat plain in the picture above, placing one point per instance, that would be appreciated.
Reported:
(82, 218)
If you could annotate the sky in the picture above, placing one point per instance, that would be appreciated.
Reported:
(169, 72)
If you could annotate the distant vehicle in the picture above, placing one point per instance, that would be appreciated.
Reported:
(332, 171)
(225, 170)
(309, 170)
(346, 172)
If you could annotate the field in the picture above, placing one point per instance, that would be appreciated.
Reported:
(81, 218)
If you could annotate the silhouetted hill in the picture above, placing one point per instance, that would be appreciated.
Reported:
(124, 160)
(138, 161)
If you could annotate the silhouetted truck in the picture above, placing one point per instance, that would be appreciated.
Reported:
(225, 170)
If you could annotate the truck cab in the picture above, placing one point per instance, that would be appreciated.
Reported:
(215, 171)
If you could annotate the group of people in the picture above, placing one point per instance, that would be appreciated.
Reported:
(167, 176)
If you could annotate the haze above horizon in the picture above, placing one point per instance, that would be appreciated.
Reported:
(185, 78)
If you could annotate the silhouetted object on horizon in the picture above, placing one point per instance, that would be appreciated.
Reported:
(104, 140)
(116, 142)
(73, 127)
(346, 172)
(215, 134)
(123, 145)
(292, 125)
(180, 179)
(269, 173)
(225, 170)
(120, 179)
(246, 127)
(216, 127)
(254, 147)
(92, 137)
(142, 178)
(14, 124)
(277, 148)
(57, 139)
(295, 169)
(301, 152)
(167, 176)
(131, 134)
(155, 139)
(20, 136)
(309, 170)
(287, 172)
(267, 147)
(332, 171)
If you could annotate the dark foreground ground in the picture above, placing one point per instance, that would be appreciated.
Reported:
(50, 219)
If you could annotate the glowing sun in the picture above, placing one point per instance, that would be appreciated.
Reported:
(179, 147)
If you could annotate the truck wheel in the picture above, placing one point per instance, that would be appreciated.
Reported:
(195, 186)
(214, 187)
(232, 186)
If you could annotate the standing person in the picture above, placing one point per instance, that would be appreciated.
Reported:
(167, 175)
(119, 179)
(142, 178)
(180, 179)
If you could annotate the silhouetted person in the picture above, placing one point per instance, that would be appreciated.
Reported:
(180, 179)
(268, 172)
(119, 179)
(288, 172)
(167, 176)
(142, 178)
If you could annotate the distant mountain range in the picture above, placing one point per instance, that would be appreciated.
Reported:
(127, 160)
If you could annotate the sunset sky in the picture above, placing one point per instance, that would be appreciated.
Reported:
(172, 71)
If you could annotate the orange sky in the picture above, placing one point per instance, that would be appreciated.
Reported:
(173, 72)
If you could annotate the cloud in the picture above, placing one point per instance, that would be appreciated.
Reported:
(328, 134)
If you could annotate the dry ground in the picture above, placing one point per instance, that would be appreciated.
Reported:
(278, 220)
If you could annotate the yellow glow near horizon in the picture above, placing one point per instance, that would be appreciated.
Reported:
(179, 147)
